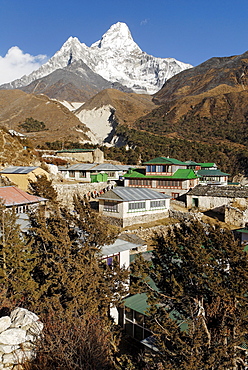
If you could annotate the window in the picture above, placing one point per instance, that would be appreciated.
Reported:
(162, 168)
(140, 182)
(157, 203)
(71, 173)
(111, 174)
(112, 260)
(82, 174)
(169, 184)
(134, 324)
(136, 206)
(110, 206)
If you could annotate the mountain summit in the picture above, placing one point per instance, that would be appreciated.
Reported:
(116, 58)
(118, 37)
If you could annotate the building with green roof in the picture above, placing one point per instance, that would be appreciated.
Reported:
(212, 177)
(166, 175)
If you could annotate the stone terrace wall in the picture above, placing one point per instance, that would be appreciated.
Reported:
(236, 216)
(149, 233)
(91, 191)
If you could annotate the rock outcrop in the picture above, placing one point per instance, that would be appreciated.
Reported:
(18, 333)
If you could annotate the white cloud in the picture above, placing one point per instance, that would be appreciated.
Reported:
(16, 64)
(144, 22)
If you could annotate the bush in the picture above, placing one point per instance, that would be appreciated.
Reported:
(32, 125)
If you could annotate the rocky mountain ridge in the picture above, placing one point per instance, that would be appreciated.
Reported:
(116, 58)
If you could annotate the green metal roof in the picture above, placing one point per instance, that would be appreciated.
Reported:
(165, 160)
(137, 302)
(207, 165)
(184, 174)
(180, 174)
(192, 163)
(75, 150)
(244, 230)
(211, 173)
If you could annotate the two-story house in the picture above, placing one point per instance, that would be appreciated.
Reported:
(166, 175)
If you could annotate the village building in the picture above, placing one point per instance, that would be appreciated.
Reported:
(166, 175)
(230, 202)
(127, 206)
(212, 177)
(21, 176)
(93, 172)
(212, 197)
(82, 155)
(134, 315)
(22, 202)
(243, 235)
(119, 253)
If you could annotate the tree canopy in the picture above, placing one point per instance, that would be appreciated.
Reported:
(199, 314)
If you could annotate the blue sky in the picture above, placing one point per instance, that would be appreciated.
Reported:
(191, 31)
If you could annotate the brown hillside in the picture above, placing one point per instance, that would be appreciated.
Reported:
(230, 71)
(60, 123)
(205, 103)
(128, 106)
(15, 152)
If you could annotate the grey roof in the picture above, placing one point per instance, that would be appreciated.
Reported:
(220, 191)
(78, 167)
(110, 167)
(132, 238)
(118, 246)
(128, 194)
(18, 169)
(94, 167)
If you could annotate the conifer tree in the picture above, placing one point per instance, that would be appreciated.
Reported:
(42, 187)
(17, 261)
(69, 270)
(73, 281)
(199, 315)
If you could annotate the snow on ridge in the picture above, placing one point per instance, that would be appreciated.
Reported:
(116, 57)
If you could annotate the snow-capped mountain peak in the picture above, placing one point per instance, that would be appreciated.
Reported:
(116, 57)
(117, 37)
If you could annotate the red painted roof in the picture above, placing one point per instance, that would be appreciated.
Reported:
(11, 196)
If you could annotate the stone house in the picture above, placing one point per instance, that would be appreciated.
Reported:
(82, 155)
(166, 175)
(21, 176)
(207, 197)
(127, 206)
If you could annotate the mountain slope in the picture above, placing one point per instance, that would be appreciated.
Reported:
(229, 71)
(103, 112)
(208, 101)
(116, 57)
(15, 152)
(74, 83)
(60, 123)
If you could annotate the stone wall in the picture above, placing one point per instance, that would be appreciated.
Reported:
(149, 233)
(90, 190)
(18, 333)
(136, 219)
(235, 216)
(185, 216)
